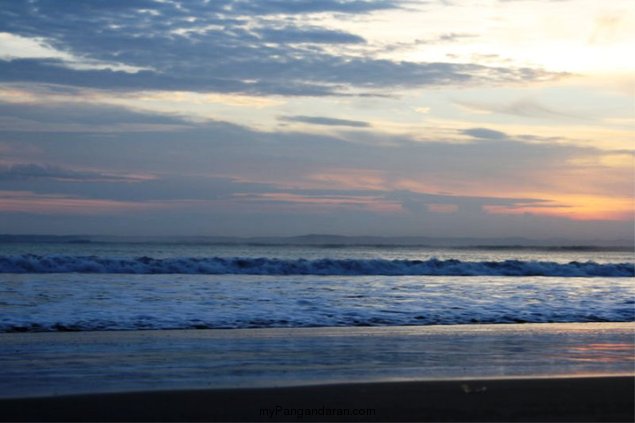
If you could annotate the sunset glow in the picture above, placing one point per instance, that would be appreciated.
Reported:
(493, 118)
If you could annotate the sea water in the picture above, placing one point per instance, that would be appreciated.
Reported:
(145, 286)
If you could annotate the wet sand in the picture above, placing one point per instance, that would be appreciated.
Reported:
(558, 399)
(525, 372)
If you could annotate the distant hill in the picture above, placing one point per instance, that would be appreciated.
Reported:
(329, 240)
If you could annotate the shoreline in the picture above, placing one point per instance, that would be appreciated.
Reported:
(428, 328)
(528, 399)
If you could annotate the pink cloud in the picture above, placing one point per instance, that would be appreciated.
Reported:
(326, 202)
(29, 202)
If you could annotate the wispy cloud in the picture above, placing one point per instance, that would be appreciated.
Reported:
(83, 116)
(326, 121)
(36, 171)
(323, 202)
(524, 107)
(51, 204)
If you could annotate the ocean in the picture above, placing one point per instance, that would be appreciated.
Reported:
(113, 286)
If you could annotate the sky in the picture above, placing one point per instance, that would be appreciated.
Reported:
(444, 118)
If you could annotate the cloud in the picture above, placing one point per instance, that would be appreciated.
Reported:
(199, 147)
(422, 202)
(84, 113)
(484, 133)
(90, 189)
(306, 74)
(447, 37)
(16, 47)
(231, 174)
(308, 35)
(37, 171)
(312, 6)
(523, 107)
(314, 201)
(221, 46)
(327, 121)
(25, 202)
(454, 36)
(27, 115)
(295, 157)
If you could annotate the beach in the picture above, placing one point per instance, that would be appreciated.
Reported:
(517, 372)
(182, 332)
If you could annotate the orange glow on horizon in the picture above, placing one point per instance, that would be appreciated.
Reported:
(575, 208)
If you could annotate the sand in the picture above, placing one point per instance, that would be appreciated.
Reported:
(548, 399)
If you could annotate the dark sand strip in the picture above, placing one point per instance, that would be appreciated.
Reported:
(558, 399)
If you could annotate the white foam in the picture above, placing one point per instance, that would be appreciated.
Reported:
(58, 302)
(30, 263)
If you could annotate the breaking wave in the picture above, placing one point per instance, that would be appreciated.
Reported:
(30, 263)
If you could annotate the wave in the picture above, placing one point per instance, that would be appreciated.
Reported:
(30, 263)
